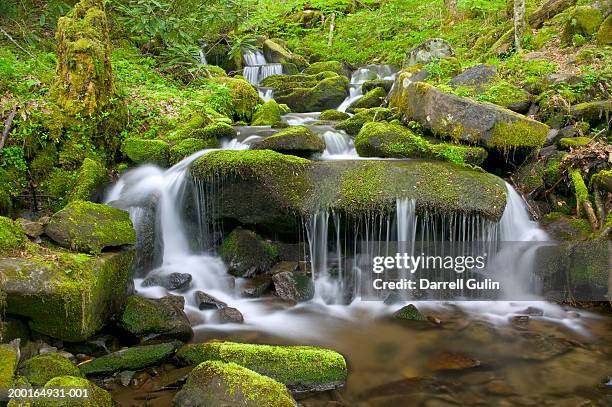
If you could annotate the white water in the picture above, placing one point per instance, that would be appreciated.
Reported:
(257, 68)
(338, 146)
(362, 75)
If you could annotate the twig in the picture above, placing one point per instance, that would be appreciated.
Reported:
(8, 123)
(16, 43)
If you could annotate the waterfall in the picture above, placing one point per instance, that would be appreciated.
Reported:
(256, 67)
(338, 146)
(362, 75)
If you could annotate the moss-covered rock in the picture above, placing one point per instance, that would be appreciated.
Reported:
(268, 114)
(327, 66)
(155, 318)
(245, 98)
(459, 154)
(8, 365)
(354, 124)
(247, 254)
(42, 368)
(215, 383)
(189, 146)
(604, 35)
(135, 358)
(146, 151)
(386, 84)
(603, 180)
(92, 177)
(594, 113)
(294, 286)
(276, 53)
(283, 84)
(566, 143)
(409, 313)
(296, 140)
(97, 397)
(328, 93)
(379, 139)
(300, 368)
(90, 227)
(451, 116)
(11, 236)
(214, 132)
(583, 20)
(373, 98)
(65, 295)
(333, 115)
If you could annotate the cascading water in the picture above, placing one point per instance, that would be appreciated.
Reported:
(362, 75)
(257, 69)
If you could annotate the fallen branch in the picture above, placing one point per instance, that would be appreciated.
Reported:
(8, 123)
(548, 10)
(582, 197)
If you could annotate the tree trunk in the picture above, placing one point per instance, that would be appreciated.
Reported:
(519, 24)
(548, 10)
(451, 8)
(8, 123)
(332, 25)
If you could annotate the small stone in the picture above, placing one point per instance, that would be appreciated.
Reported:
(293, 286)
(434, 320)
(519, 320)
(257, 286)
(172, 281)
(125, 377)
(409, 313)
(206, 301)
(533, 311)
(499, 388)
(229, 315)
(30, 228)
(452, 361)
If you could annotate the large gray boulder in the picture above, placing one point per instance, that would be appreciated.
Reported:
(451, 116)
(427, 51)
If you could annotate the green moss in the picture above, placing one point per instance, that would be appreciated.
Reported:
(333, 115)
(326, 94)
(580, 188)
(91, 177)
(283, 84)
(90, 227)
(244, 98)
(604, 35)
(603, 179)
(186, 147)
(134, 358)
(8, 365)
(186, 127)
(11, 236)
(373, 98)
(247, 254)
(268, 114)
(217, 383)
(143, 317)
(567, 143)
(504, 94)
(97, 397)
(141, 151)
(327, 66)
(276, 53)
(354, 124)
(386, 84)
(390, 140)
(295, 140)
(552, 170)
(459, 154)
(40, 369)
(583, 20)
(298, 367)
(509, 135)
(214, 131)
(409, 313)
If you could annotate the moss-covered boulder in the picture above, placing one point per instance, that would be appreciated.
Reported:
(91, 179)
(11, 236)
(354, 124)
(604, 35)
(373, 98)
(9, 358)
(333, 115)
(276, 53)
(97, 397)
(215, 383)
(90, 227)
(409, 313)
(583, 20)
(215, 131)
(134, 358)
(254, 193)
(245, 98)
(66, 295)
(294, 286)
(42, 368)
(458, 118)
(300, 368)
(162, 318)
(459, 154)
(603, 180)
(268, 114)
(84, 86)
(327, 66)
(146, 151)
(247, 254)
(380, 139)
(595, 113)
(386, 84)
(567, 143)
(189, 146)
(309, 93)
(297, 140)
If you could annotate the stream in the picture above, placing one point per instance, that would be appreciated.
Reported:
(477, 352)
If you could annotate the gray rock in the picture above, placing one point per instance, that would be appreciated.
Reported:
(427, 51)
(30, 228)
(206, 301)
(148, 318)
(293, 286)
(477, 76)
(257, 286)
(172, 281)
(229, 315)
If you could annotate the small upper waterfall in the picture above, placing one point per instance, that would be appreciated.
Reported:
(257, 69)
(338, 146)
(362, 75)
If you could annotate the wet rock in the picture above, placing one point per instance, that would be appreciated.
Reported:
(452, 361)
(333, 115)
(302, 369)
(257, 286)
(177, 300)
(40, 369)
(276, 53)
(125, 377)
(247, 254)
(214, 383)
(148, 318)
(427, 51)
(96, 396)
(409, 313)
(296, 140)
(408, 386)
(15, 328)
(229, 315)
(206, 301)
(386, 84)
(593, 112)
(392, 298)
(30, 228)
(532, 311)
(285, 266)
(9, 357)
(542, 347)
(293, 286)
(373, 98)
(476, 76)
(519, 320)
(499, 388)
(134, 358)
(172, 281)
(98, 227)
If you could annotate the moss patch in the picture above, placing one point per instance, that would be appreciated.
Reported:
(269, 114)
(91, 177)
(189, 146)
(149, 318)
(354, 124)
(390, 140)
(333, 115)
(510, 135)
(298, 367)
(214, 131)
(295, 140)
(11, 236)
(244, 96)
(42, 368)
(97, 397)
(8, 365)
(151, 151)
(326, 66)
(567, 143)
(247, 254)
(373, 98)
